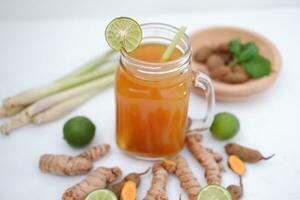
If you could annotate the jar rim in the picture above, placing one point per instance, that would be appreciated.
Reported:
(185, 56)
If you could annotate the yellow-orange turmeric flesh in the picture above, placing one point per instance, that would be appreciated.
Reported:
(151, 114)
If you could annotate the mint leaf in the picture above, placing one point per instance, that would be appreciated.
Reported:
(258, 67)
(235, 47)
(249, 51)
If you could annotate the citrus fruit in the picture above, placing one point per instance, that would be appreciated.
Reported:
(79, 131)
(102, 194)
(123, 33)
(225, 126)
(214, 192)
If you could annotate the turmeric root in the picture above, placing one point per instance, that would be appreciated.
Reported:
(244, 153)
(157, 190)
(97, 179)
(129, 191)
(169, 165)
(134, 177)
(218, 157)
(96, 152)
(236, 191)
(64, 165)
(185, 175)
(207, 158)
(72, 165)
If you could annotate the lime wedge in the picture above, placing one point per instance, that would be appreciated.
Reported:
(214, 192)
(123, 32)
(101, 195)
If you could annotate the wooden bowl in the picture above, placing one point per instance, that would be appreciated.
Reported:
(234, 92)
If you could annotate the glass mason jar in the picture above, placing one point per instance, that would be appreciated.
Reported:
(152, 98)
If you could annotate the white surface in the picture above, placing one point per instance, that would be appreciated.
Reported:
(36, 52)
(36, 9)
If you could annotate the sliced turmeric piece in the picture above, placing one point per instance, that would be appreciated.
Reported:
(237, 165)
(129, 191)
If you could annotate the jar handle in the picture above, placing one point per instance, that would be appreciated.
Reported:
(203, 82)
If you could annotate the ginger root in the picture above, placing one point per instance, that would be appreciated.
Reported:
(134, 177)
(244, 153)
(129, 191)
(97, 179)
(187, 179)
(207, 158)
(157, 190)
(72, 165)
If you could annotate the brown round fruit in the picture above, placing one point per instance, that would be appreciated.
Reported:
(214, 61)
(219, 72)
(202, 54)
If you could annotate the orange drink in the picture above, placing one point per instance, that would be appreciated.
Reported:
(152, 96)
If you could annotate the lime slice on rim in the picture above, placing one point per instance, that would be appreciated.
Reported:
(101, 195)
(123, 32)
(214, 192)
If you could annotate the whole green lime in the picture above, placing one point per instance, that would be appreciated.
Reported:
(225, 126)
(79, 131)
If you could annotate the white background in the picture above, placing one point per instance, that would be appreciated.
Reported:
(42, 40)
(45, 9)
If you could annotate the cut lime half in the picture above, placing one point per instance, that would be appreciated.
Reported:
(123, 33)
(101, 195)
(214, 192)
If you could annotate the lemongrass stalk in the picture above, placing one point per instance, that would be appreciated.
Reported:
(173, 44)
(20, 120)
(62, 108)
(90, 66)
(23, 118)
(7, 112)
(33, 95)
(56, 98)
